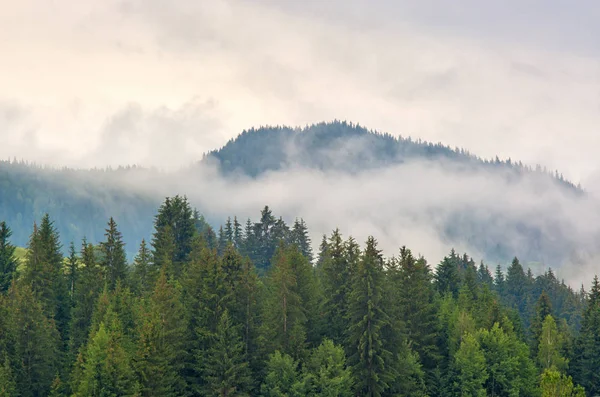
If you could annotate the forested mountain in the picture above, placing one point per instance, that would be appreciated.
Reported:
(243, 311)
(82, 199)
(346, 147)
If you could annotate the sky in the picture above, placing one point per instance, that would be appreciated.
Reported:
(155, 82)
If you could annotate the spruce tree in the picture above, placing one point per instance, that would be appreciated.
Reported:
(370, 359)
(225, 366)
(114, 260)
(447, 278)
(162, 345)
(416, 300)
(142, 270)
(8, 262)
(586, 355)
(72, 269)
(284, 316)
(35, 342)
(174, 233)
(301, 238)
(86, 291)
(238, 235)
(470, 368)
(106, 369)
(335, 278)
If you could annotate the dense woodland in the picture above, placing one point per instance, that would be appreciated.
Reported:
(249, 309)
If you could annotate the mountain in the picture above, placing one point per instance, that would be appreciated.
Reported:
(483, 221)
(345, 147)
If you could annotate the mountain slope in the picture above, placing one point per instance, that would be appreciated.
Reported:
(342, 146)
(332, 174)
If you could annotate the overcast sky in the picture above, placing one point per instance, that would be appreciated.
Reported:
(158, 82)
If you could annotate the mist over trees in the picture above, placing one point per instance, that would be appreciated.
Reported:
(495, 209)
(252, 310)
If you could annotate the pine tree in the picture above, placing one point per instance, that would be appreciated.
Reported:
(229, 232)
(284, 317)
(301, 238)
(72, 269)
(447, 278)
(86, 291)
(416, 300)
(222, 241)
(174, 233)
(323, 251)
(499, 282)
(106, 368)
(114, 260)
(370, 359)
(36, 342)
(142, 276)
(43, 271)
(586, 355)
(162, 345)
(8, 262)
(484, 276)
(335, 278)
(225, 367)
(238, 235)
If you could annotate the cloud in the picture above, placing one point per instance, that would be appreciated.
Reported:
(489, 78)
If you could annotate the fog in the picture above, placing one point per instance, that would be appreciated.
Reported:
(159, 83)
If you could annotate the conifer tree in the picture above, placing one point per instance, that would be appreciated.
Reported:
(416, 301)
(35, 340)
(86, 291)
(8, 262)
(238, 235)
(301, 238)
(225, 367)
(229, 232)
(323, 251)
(222, 241)
(484, 276)
(470, 368)
(142, 270)
(586, 355)
(447, 278)
(114, 260)
(8, 386)
(370, 359)
(106, 368)
(43, 271)
(335, 278)
(284, 317)
(72, 269)
(162, 345)
(174, 233)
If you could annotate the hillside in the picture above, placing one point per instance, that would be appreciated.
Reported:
(345, 147)
(457, 211)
